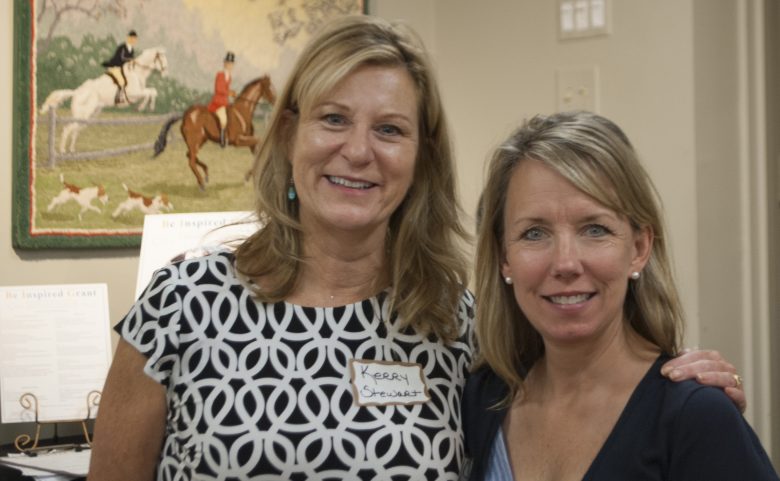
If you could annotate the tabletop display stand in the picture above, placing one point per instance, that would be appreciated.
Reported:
(27, 444)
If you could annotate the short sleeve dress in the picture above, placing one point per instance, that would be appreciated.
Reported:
(262, 391)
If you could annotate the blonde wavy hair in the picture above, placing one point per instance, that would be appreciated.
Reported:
(428, 268)
(592, 153)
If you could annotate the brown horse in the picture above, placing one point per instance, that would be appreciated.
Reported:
(199, 125)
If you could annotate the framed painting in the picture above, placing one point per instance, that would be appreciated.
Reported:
(103, 92)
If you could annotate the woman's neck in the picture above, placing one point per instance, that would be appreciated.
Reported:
(616, 360)
(338, 270)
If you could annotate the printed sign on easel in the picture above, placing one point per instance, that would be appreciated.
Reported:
(54, 344)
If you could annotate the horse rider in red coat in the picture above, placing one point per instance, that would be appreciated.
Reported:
(222, 92)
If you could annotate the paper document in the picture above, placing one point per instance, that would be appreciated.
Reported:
(69, 463)
(54, 343)
(170, 236)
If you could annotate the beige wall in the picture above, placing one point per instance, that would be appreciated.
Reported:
(666, 76)
(772, 27)
(717, 148)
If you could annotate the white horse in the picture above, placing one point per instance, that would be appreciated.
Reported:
(90, 97)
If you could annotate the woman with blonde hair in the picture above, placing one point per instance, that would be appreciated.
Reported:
(578, 312)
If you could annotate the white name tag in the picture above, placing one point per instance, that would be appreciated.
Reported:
(385, 383)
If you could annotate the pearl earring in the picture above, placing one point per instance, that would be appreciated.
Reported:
(635, 275)
(508, 280)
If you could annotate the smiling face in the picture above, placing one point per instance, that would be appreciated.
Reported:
(569, 257)
(353, 153)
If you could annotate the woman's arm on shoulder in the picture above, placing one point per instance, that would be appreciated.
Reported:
(713, 441)
(131, 421)
(709, 368)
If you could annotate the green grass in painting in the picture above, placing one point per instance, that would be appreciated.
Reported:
(168, 173)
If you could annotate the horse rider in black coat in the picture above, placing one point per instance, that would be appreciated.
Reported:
(124, 53)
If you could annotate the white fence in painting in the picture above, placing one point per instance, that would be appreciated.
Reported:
(53, 120)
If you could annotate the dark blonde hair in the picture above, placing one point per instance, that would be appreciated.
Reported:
(592, 153)
(428, 270)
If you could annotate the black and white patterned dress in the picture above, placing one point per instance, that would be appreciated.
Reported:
(262, 391)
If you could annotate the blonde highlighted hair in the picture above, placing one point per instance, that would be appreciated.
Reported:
(428, 269)
(592, 153)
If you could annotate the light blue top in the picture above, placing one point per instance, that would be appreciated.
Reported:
(498, 467)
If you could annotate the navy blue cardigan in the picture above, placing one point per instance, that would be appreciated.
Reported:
(668, 431)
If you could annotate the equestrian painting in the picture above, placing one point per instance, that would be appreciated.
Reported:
(100, 87)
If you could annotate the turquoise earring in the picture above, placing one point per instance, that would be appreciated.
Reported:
(291, 194)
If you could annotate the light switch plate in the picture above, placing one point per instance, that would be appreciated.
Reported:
(577, 88)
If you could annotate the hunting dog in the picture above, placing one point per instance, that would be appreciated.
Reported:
(147, 205)
(81, 195)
